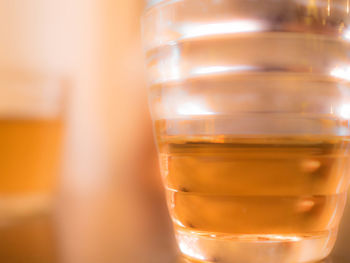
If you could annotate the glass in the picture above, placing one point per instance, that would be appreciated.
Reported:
(31, 131)
(251, 105)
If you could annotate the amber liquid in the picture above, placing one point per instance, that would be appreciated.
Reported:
(254, 188)
(29, 163)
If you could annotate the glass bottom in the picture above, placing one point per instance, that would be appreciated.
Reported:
(13, 208)
(208, 247)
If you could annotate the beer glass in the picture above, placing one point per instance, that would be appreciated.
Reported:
(251, 105)
(31, 129)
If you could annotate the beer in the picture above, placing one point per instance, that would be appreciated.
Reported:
(32, 110)
(254, 188)
(30, 150)
(29, 155)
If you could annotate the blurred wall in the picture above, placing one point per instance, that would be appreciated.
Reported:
(122, 171)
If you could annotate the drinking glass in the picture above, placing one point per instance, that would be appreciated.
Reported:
(251, 105)
(31, 130)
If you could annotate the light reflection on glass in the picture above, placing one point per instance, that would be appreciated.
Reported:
(178, 222)
(341, 72)
(346, 34)
(287, 238)
(172, 64)
(188, 249)
(345, 111)
(221, 69)
(231, 27)
(193, 108)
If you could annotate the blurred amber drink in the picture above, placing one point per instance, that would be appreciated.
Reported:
(31, 134)
(30, 150)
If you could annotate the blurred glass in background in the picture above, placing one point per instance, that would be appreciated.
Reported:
(110, 204)
(31, 134)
